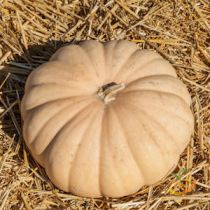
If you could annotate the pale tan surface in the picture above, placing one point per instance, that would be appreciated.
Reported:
(90, 148)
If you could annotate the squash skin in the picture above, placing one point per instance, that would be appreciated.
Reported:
(91, 148)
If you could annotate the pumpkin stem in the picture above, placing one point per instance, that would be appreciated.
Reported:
(109, 91)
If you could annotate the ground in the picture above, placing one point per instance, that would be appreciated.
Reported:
(30, 31)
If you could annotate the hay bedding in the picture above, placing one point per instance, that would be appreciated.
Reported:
(30, 31)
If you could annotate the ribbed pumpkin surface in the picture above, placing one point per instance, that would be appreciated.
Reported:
(93, 147)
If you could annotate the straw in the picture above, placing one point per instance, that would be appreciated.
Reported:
(31, 31)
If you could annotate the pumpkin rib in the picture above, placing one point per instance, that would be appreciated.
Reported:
(133, 159)
(158, 91)
(30, 117)
(22, 108)
(96, 51)
(57, 84)
(131, 138)
(145, 77)
(114, 162)
(49, 102)
(100, 153)
(128, 54)
(106, 142)
(78, 152)
(149, 117)
(128, 144)
(65, 125)
(153, 64)
(171, 81)
(172, 113)
(120, 120)
(49, 69)
(70, 83)
(34, 72)
(130, 74)
(75, 49)
(152, 139)
(90, 62)
(101, 172)
(160, 126)
(85, 89)
(164, 155)
(59, 141)
(108, 58)
(125, 65)
(85, 106)
(42, 108)
(49, 93)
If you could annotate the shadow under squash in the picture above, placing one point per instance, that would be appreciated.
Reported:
(13, 78)
(12, 82)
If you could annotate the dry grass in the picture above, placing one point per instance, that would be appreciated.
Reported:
(30, 31)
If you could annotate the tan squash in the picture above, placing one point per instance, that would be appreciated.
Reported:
(106, 119)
